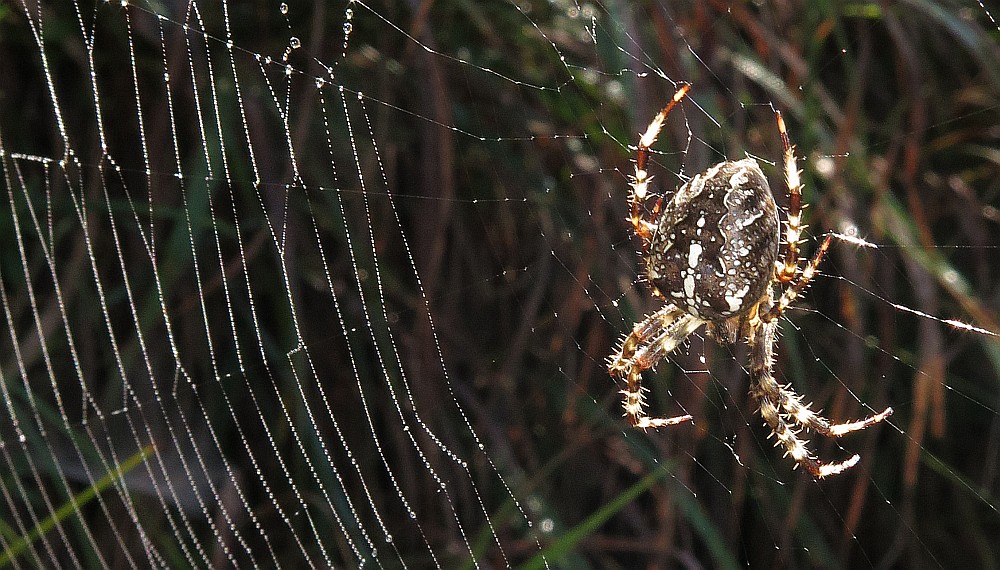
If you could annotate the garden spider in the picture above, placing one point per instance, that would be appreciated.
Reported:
(711, 251)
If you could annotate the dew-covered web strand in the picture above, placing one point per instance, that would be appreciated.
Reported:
(254, 317)
(406, 384)
(351, 351)
(22, 442)
(226, 289)
(378, 351)
(45, 352)
(38, 32)
(989, 14)
(361, 558)
(148, 242)
(284, 114)
(332, 416)
(140, 410)
(279, 240)
(196, 266)
(108, 167)
(147, 238)
(22, 438)
(201, 123)
(11, 502)
(432, 51)
(196, 92)
(35, 22)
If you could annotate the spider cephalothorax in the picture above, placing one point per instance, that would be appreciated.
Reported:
(711, 251)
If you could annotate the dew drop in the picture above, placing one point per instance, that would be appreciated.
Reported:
(283, 8)
(294, 42)
(347, 28)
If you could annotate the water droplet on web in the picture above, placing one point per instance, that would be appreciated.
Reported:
(347, 28)
(294, 42)
(348, 13)
(229, 44)
(283, 8)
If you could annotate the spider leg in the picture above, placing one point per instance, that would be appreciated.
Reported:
(770, 395)
(792, 404)
(787, 270)
(640, 181)
(789, 401)
(798, 285)
(649, 342)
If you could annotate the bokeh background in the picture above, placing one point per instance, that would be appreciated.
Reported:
(467, 186)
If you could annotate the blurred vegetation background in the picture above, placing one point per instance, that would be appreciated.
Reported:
(508, 159)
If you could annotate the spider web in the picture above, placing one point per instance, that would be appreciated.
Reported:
(333, 285)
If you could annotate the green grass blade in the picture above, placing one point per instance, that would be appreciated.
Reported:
(69, 508)
(688, 505)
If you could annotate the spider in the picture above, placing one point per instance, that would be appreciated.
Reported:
(711, 252)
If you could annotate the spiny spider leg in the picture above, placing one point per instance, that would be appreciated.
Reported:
(650, 340)
(787, 270)
(796, 287)
(787, 399)
(792, 404)
(766, 391)
(640, 181)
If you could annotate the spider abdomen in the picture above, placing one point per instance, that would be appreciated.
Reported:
(714, 249)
